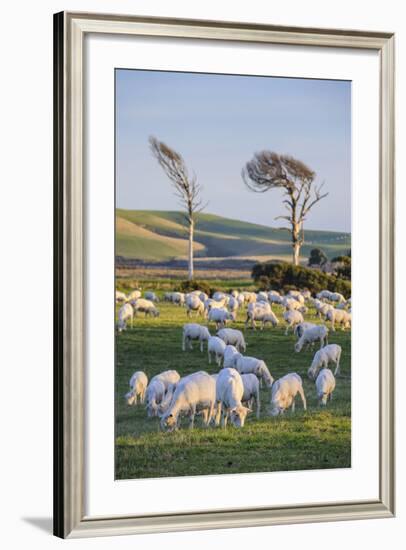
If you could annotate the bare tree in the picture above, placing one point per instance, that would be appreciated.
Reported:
(186, 188)
(268, 170)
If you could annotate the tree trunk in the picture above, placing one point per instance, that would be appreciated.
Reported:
(296, 244)
(190, 259)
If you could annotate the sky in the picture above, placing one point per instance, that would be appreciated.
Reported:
(217, 123)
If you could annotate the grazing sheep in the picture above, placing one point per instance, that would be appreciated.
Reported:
(193, 331)
(229, 393)
(328, 354)
(325, 385)
(125, 313)
(233, 337)
(219, 296)
(194, 394)
(292, 318)
(245, 365)
(324, 295)
(157, 388)
(234, 293)
(216, 347)
(307, 295)
(312, 335)
(340, 316)
(120, 297)
(240, 300)
(259, 313)
(251, 392)
(301, 327)
(194, 303)
(138, 387)
(322, 309)
(262, 297)
(145, 306)
(337, 297)
(149, 295)
(210, 304)
(284, 392)
(291, 304)
(134, 295)
(221, 316)
(230, 355)
(175, 298)
(275, 298)
(249, 297)
(233, 304)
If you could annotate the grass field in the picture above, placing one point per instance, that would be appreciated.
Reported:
(304, 440)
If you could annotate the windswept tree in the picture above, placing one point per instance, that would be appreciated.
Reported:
(186, 188)
(268, 170)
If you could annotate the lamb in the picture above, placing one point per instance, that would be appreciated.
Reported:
(322, 358)
(233, 337)
(221, 316)
(145, 306)
(230, 355)
(216, 347)
(229, 394)
(312, 335)
(120, 297)
(292, 318)
(194, 394)
(325, 385)
(284, 392)
(157, 388)
(194, 303)
(301, 327)
(245, 365)
(125, 313)
(340, 316)
(193, 331)
(149, 295)
(138, 387)
(251, 392)
(259, 313)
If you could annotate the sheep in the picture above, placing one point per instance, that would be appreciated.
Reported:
(138, 387)
(291, 304)
(284, 392)
(274, 297)
(193, 331)
(324, 295)
(234, 293)
(245, 365)
(175, 298)
(262, 297)
(230, 355)
(210, 304)
(340, 316)
(240, 300)
(125, 313)
(233, 304)
(194, 394)
(311, 335)
(251, 392)
(325, 385)
(229, 393)
(234, 337)
(292, 318)
(194, 303)
(328, 354)
(306, 294)
(149, 295)
(301, 327)
(120, 297)
(157, 388)
(216, 347)
(337, 297)
(134, 295)
(260, 314)
(219, 296)
(145, 306)
(221, 316)
(249, 297)
(322, 309)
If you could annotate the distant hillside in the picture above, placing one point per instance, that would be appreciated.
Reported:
(160, 235)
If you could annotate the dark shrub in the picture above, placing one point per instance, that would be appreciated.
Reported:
(188, 286)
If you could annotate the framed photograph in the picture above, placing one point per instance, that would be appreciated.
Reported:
(224, 197)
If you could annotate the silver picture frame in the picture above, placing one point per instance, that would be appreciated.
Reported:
(70, 30)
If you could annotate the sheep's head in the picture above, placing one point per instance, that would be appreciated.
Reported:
(130, 397)
(323, 400)
(298, 347)
(311, 373)
(168, 422)
(276, 410)
(238, 415)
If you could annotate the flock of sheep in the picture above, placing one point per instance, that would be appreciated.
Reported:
(233, 392)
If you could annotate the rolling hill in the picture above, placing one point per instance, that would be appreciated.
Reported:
(160, 235)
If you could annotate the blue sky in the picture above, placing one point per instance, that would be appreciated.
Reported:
(217, 123)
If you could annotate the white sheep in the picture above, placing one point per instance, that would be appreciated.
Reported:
(221, 316)
(134, 295)
(292, 318)
(194, 394)
(324, 295)
(337, 297)
(230, 355)
(323, 357)
(265, 315)
(284, 392)
(138, 387)
(325, 385)
(301, 327)
(157, 388)
(234, 293)
(120, 297)
(229, 394)
(219, 296)
(312, 335)
(249, 297)
(145, 306)
(194, 303)
(233, 304)
(125, 314)
(262, 296)
(246, 365)
(233, 337)
(193, 331)
(149, 295)
(322, 309)
(291, 304)
(251, 392)
(177, 298)
(216, 347)
(275, 298)
(340, 316)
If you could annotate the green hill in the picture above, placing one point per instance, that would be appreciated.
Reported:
(161, 235)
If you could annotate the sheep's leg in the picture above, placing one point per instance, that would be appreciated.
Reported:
(302, 395)
(209, 356)
(205, 415)
(192, 418)
(337, 371)
(224, 418)
(218, 414)
(183, 343)
(201, 346)
(287, 329)
(293, 406)
(257, 399)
